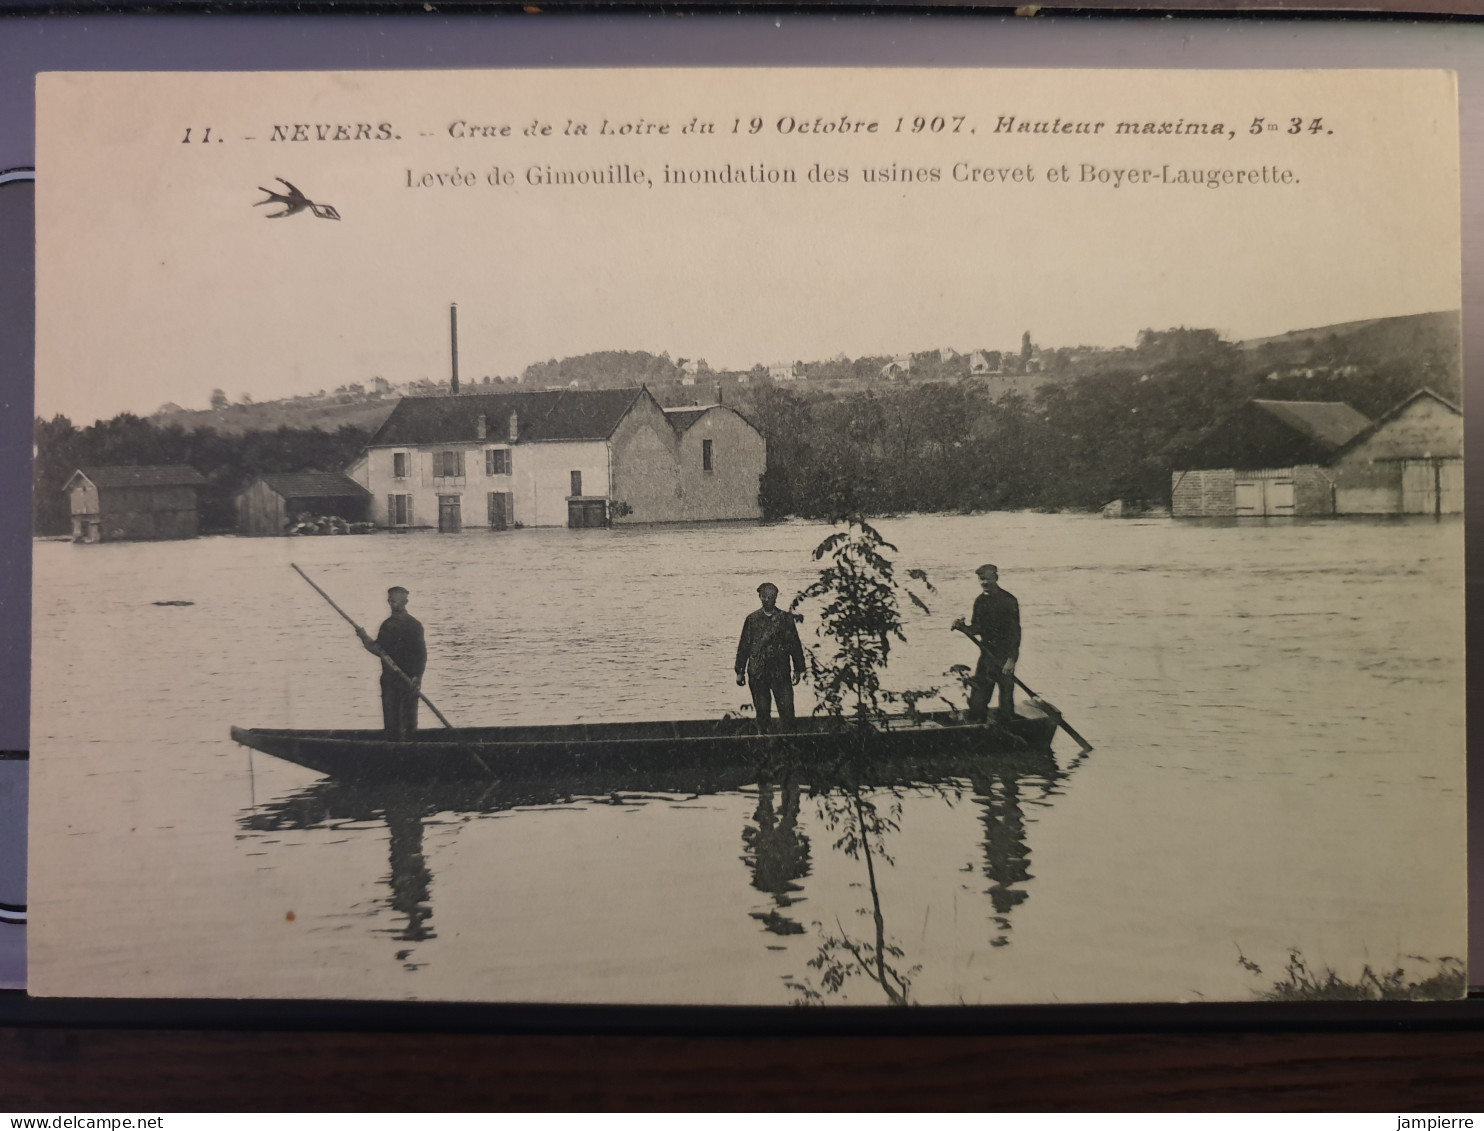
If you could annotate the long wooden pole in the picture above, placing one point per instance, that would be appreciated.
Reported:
(385, 659)
(1060, 718)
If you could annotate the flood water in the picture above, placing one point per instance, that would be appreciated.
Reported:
(1276, 710)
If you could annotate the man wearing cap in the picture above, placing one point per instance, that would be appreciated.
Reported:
(400, 641)
(996, 622)
(768, 648)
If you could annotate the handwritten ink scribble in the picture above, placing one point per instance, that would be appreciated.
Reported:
(294, 201)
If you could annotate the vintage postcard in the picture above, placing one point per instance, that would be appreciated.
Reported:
(757, 536)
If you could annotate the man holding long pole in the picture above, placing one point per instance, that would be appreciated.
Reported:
(400, 641)
(996, 624)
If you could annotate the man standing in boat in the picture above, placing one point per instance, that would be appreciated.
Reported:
(399, 641)
(768, 648)
(996, 624)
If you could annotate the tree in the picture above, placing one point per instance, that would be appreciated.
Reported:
(218, 399)
(859, 620)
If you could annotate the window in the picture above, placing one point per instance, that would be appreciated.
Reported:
(399, 510)
(706, 456)
(577, 483)
(448, 465)
(399, 465)
(497, 461)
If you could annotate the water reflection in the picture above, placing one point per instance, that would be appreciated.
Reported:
(777, 853)
(860, 805)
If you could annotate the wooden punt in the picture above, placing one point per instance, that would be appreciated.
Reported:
(643, 749)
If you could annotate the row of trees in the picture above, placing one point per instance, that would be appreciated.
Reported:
(1115, 432)
(229, 462)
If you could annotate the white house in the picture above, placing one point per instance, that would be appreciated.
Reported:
(579, 457)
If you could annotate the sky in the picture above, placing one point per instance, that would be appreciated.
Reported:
(160, 278)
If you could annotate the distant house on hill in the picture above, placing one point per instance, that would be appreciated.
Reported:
(270, 502)
(979, 362)
(1275, 458)
(588, 457)
(783, 370)
(118, 504)
(898, 366)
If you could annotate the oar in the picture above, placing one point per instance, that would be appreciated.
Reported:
(1051, 710)
(390, 663)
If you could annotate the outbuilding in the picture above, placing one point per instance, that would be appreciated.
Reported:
(1410, 461)
(270, 504)
(120, 504)
(1266, 460)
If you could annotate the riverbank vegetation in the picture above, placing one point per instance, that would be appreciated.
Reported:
(1442, 980)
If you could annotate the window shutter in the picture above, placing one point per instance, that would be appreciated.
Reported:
(408, 518)
(391, 510)
(459, 463)
(510, 508)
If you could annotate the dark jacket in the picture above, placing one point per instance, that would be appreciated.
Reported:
(401, 638)
(997, 623)
(768, 641)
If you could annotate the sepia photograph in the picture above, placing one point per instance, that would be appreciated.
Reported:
(792, 537)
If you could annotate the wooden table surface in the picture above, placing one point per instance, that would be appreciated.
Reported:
(47, 1069)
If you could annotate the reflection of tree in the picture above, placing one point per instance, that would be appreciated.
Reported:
(863, 828)
(863, 805)
(777, 853)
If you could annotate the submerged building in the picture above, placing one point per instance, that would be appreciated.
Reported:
(119, 504)
(270, 503)
(565, 457)
(1295, 458)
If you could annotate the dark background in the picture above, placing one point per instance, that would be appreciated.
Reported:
(238, 1056)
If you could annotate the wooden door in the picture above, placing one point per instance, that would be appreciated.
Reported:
(499, 510)
(583, 513)
(1277, 497)
(1450, 486)
(449, 519)
(1249, 496)
(1419, 486)
(1265, 495)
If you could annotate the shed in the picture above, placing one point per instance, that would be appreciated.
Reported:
(1267, 459)
(1410, 461)
(270, 503)
(146, 503)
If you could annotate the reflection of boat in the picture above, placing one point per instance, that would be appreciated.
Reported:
(656, 748)
(775, 850)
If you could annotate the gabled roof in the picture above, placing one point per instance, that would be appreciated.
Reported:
(1277, 434)
(556, 414)
(155, 475)
(313, 484)
(1396, 410)
(1328, 423)
(682, 418)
